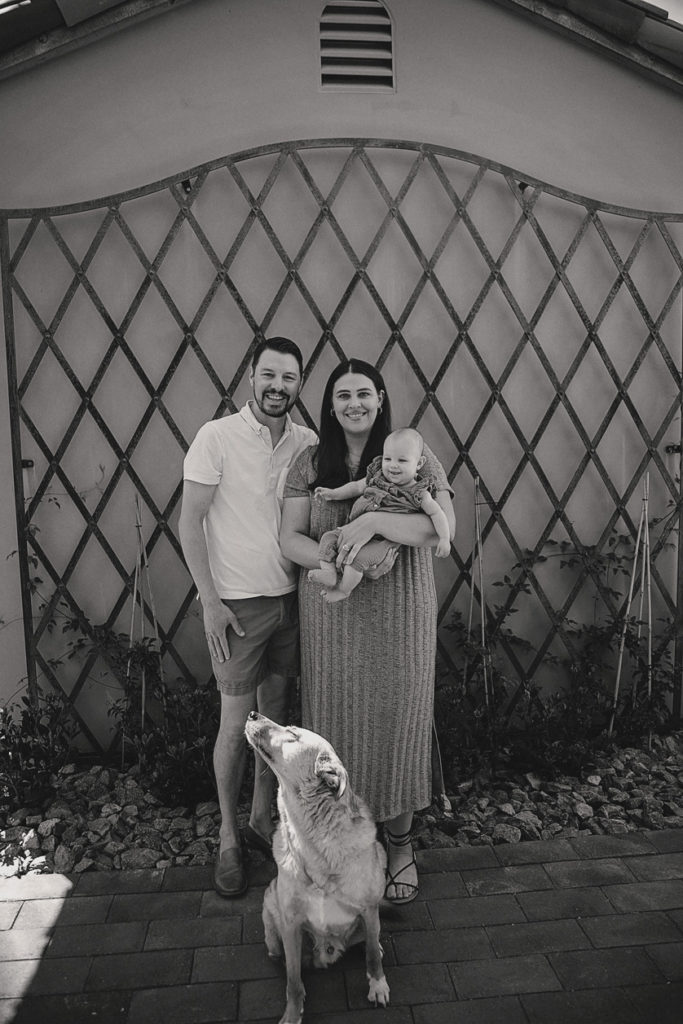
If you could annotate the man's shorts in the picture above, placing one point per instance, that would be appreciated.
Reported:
(270, 644)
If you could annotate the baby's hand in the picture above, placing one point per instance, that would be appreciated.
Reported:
(443, 549)
(323, 494)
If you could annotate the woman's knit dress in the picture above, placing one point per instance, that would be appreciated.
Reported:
(367, 664)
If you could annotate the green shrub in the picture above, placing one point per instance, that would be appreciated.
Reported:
(169, 729)
(561, 732)
(36, 739)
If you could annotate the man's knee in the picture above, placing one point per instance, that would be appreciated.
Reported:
(234, 711)
(273, 696)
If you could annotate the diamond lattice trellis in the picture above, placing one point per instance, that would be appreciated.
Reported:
(533, 335)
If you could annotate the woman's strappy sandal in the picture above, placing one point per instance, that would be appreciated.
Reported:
(398, 840)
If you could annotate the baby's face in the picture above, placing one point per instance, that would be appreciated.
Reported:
(400, 460)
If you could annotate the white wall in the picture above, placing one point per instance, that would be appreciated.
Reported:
(215, 77)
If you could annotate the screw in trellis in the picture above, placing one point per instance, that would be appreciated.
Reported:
(642, 549)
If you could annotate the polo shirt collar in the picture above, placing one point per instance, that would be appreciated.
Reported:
(260, 428)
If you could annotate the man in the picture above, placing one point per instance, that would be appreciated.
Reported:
(234, 474)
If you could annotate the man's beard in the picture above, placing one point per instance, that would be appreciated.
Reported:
(281, 410)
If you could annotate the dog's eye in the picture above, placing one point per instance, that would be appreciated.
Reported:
(292, 736)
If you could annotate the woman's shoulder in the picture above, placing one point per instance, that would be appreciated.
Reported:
(302, 470)
(307, 456)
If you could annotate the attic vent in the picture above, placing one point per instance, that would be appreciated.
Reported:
(356, 47)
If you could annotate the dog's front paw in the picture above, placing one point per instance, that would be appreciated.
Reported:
(292, 1016)
(378, 993)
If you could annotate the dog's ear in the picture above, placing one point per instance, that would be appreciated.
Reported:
(332, 772)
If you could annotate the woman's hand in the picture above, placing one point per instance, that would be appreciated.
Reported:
(383, 567)
(352, 537)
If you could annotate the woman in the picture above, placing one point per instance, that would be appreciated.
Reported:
(367, 663)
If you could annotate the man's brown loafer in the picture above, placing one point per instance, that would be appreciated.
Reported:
(229, 876)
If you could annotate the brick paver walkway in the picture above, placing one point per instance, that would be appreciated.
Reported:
(587, 930)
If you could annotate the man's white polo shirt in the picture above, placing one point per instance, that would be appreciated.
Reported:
(242, 526)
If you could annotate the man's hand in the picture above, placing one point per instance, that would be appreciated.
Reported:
(218, 618)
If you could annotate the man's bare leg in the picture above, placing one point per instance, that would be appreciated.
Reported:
(229, 755)
(272, 701)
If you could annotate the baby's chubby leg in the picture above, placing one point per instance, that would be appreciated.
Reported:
(327, 554)
(350, 579)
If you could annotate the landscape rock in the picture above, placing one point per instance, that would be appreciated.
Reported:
(103, 819)
(503, 833)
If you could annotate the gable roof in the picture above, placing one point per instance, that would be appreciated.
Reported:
(641, 35)
(647, 38)
(34, 31)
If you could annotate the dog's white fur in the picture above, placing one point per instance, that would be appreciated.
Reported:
(331, 867)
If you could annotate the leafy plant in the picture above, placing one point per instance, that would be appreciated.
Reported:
(474, 706)
(35, 741)
(169, 729)
(176, 753)
(488, 719)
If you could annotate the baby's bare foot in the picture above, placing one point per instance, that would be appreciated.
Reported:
(333, 595)
(328, 577)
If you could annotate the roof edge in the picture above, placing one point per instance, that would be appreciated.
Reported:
(64, 40)
(571, 26)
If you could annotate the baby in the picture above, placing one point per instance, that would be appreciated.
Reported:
(393, 484)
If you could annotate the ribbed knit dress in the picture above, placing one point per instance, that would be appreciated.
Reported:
(367, 664)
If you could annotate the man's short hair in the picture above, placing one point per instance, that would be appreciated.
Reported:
(284, 345)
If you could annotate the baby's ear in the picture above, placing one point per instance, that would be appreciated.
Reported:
(332, 773)
(421, 461)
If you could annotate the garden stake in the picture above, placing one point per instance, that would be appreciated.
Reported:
(141, 566)
(130, 644)
(482, 603)
(150, 593)
(475, 555)
(645, 556)
(646, 588)
(649, 635)
(477, 559)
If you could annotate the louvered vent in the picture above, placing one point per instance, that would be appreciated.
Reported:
(356, 47)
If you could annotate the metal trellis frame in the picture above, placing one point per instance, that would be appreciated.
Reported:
(49, 313)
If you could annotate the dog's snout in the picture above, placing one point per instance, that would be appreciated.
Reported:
(253, 716)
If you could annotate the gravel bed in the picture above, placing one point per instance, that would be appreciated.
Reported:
(103, 819)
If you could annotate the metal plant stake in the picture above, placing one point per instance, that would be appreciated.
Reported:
(140, 579)
(478, 561)
(642, 540)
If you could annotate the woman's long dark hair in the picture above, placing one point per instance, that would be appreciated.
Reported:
(330, 463)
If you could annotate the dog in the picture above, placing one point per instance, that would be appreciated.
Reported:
(331, 867)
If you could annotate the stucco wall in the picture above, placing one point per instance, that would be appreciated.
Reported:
(215, 77)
